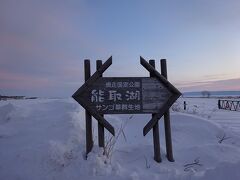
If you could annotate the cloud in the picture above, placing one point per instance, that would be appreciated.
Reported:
(21, 81)
(219, 85)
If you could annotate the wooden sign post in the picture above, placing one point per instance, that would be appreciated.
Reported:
(156, 140)
(89, 139)
(128, 95)
(100, 127)
(168, 136)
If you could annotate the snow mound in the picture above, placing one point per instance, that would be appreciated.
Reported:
(5, 113)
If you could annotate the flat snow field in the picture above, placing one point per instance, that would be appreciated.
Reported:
(44, 139)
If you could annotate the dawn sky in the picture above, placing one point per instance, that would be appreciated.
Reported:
(43, 43)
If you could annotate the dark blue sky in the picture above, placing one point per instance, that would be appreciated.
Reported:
(43, 43)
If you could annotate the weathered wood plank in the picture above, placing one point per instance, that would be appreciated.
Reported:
(93, 78)
(154, 94)
(126, 95)
(166, 83)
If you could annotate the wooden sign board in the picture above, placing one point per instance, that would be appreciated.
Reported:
(126, 95)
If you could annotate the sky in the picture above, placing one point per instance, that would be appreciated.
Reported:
(43, 43)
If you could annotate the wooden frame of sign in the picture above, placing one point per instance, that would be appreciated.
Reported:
(127, 95)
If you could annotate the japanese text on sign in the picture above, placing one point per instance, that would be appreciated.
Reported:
(123, 84)
(117, 96)
(113, 95)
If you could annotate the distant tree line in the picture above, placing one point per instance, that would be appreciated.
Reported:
(206, 94)
(11, 97)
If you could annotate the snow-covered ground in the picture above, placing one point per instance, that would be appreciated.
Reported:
(45, 139)
(208, 108)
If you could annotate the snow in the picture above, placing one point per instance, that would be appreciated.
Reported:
(208, 108)
(45, 139)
